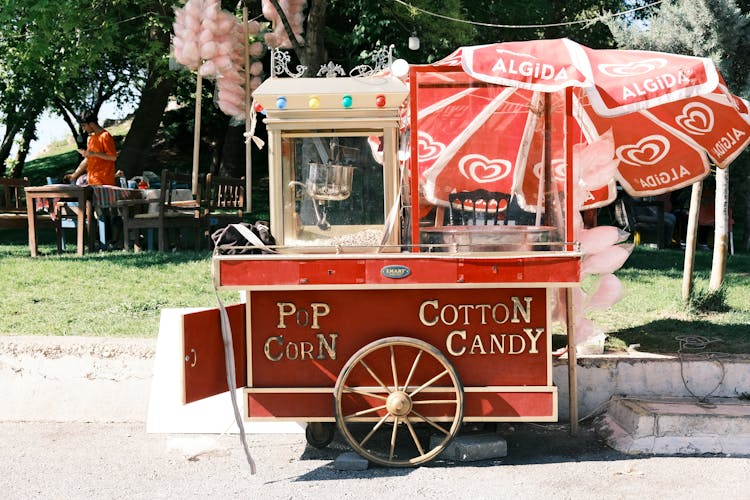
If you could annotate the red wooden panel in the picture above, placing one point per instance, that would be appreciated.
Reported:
(289, 404)
(205, 371)
(329, 271)
(510, 404)
(477, 405)
(303, 338)
(258, 272)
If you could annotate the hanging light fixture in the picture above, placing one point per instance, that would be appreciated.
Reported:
(414, 41)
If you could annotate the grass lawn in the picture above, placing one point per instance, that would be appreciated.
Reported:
(121, 294)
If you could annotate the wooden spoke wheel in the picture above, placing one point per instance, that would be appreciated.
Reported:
(399, 402)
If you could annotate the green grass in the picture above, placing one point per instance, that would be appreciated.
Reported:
(121, 294)
(653, 314)
(104, 294)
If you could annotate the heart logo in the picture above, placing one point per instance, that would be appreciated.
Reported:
(558, 169)
(696, 118)
(649, 151)
(481, 169)
(428, 147)
(634, 68)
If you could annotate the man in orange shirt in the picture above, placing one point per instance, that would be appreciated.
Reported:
(99, 156)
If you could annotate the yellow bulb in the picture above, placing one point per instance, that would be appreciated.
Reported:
(314, 102)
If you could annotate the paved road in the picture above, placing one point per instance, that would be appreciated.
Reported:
(80, 460)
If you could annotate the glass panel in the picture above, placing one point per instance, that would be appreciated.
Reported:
(484, 184)
(333, 190)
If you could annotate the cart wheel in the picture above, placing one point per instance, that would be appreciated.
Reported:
(391, 395)
(319, 434)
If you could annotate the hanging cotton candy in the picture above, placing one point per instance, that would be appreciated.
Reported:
(598, 238)
(256, 68)
(607, 261)
(209, 50)
(607, 294)
(225, 47)
(255, 82)
(256, 49)
(585, 331)
(208, 69)
(269, 11)
(231, 97)
(253, 27)
(595, 162)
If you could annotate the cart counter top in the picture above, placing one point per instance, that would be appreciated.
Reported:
(396, 270)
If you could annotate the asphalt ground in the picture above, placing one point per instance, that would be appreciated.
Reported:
(85, 460)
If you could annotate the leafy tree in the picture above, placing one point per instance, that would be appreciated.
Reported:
(720, 30)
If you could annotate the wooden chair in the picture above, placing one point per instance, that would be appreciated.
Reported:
(164, 214)
(13, 213)
(224, 201)
(478, 207)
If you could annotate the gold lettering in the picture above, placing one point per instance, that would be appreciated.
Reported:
(285, 309)
(267, 348)
(329, 348)
(306, 348)
(449, 342)
(517, 307)
(533, 338)
(499, 343)
(521, 347)
(434, 304)
(319, 309)
(477, 344)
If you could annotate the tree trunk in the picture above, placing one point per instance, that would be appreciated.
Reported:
(690, 237)
(29, 133)
(11, 131)
(145, 124)
(721, 233)
(314, 53)
(233, 152)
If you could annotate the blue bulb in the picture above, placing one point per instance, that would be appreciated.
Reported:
(346, 101)
(281, 102)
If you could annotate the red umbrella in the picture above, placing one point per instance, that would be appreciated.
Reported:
(484, 116)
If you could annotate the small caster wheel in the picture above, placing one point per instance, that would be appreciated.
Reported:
(319, 434)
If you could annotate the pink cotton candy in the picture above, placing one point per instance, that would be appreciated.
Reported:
(607, 261)
(269, 11)
(208, 50)
(608, 293)
(207, 69)
(255, 82)
(256, 49)
(223, 63)
(598, 238)
(191, 53)
(256, 68)
(225, 47)
(253, 27)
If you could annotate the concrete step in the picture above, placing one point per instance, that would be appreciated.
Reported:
(677, 426)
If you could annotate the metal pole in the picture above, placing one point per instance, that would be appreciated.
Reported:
(248, 111)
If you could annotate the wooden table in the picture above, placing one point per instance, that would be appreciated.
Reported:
(62, 192)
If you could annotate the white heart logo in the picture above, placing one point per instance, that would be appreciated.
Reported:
(649, 151)
(481, 169)
(634, 68)
(428, 147)
(558, 169)
(696, 118)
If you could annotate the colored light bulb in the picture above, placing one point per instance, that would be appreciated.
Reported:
(281, 102)
(346, 101)
(380, 101)
(313, 102)
(258, 107)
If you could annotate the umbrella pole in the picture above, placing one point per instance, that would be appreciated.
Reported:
(548, 202)
(197, 132)
(690, 237)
